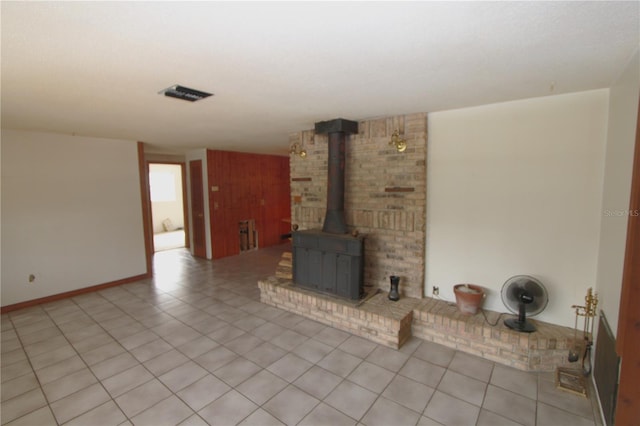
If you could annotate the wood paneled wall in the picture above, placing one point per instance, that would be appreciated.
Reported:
(247, 186)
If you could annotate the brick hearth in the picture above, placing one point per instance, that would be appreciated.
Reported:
(377, 318)
(392, 323)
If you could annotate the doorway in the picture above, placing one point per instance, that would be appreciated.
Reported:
(166, 187)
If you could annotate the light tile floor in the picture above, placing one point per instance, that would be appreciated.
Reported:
(194, 346)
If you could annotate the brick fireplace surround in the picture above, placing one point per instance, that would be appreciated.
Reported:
(385, 200)
(385, 195)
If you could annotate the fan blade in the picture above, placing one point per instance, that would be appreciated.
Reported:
(514, 293)
(533, 288)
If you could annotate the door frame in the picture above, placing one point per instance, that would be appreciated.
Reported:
(628, 336)
(145, 198)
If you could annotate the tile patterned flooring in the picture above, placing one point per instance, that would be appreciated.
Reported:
(194, 346)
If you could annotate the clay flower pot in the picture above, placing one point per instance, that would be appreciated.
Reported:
(468, 298)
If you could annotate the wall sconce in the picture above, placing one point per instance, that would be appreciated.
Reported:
(295, 149)
(398, 142)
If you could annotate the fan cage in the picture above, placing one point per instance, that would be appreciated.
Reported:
(517, 284)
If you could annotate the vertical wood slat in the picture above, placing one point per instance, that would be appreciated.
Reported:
(250, 186)
(197, 208)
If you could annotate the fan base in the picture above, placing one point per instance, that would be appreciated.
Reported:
(515, 324)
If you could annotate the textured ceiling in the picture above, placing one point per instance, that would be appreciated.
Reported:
(95, 68)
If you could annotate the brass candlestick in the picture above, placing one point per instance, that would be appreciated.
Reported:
(588, 311)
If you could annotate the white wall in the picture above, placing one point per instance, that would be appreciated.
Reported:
(623, 113)
(515, 188)
(200, 154)
(172, 210)
(71, 213)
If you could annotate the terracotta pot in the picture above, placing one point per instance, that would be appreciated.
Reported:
(468, 298)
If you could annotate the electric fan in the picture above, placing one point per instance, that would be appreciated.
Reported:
(524, 295)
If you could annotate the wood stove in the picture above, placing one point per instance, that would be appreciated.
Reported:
(326, 263)
(330, 260)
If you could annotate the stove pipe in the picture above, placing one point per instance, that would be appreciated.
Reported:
(337, 130)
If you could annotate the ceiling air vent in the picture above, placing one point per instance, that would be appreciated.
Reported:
(185, 93)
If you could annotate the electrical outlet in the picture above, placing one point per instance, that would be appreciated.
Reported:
(435, 291)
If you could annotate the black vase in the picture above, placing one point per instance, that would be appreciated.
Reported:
(393, 293)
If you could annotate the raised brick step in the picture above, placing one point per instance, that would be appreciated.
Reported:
(392, 323)
(543, 350)
(377, 318)
(284, 268)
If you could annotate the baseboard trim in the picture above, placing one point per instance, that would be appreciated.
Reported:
(72, 293)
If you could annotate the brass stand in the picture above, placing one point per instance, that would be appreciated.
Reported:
(573, 379)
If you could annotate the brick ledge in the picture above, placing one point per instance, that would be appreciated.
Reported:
(377, 318)
(392, 323)
(543, 350)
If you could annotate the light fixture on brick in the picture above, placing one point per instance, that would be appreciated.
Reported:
(398, 142)
(296, 149)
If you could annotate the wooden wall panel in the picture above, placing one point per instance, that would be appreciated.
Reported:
(628, 336)
(249, 186)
